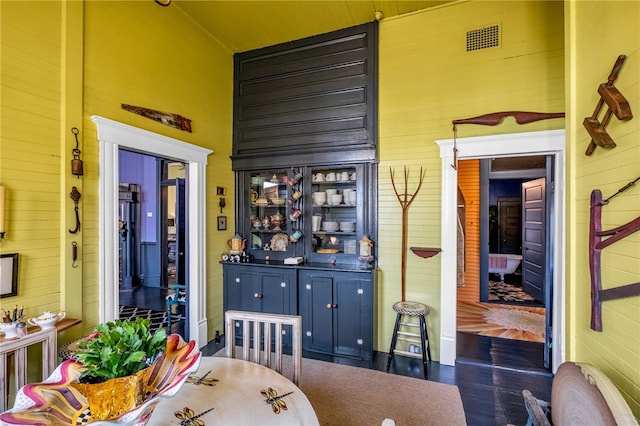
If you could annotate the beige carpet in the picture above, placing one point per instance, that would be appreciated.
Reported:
(344, 395)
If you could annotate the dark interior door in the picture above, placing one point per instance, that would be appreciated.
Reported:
(181, 226)
(510, 225)
(534, 238)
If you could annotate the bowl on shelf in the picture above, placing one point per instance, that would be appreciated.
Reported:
(347, 226)
(262, 201)
(335, 199)
(330, 226)
(279, 201)
(319, 198)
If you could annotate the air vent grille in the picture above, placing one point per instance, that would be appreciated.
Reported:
(483, 38)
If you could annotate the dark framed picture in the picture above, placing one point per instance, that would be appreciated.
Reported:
(8, 275)
(222, 223)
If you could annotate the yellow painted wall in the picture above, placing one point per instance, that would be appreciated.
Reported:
(597, 32)
(143, 54)
(63, 62)
(30, 149)
(427, 79)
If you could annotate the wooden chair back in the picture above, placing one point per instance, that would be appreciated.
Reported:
(258, 327)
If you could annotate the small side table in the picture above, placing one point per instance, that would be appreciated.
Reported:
(17, 348)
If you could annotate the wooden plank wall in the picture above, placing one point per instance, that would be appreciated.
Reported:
(469, 184)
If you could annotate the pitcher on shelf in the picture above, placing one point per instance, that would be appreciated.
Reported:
(237, 244)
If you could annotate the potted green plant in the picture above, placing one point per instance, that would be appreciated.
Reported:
(115, 361)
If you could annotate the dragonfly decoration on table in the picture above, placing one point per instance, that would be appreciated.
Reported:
(190, 418)
(275, 400)
(195, 380)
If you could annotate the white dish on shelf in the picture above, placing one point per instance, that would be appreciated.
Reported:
(327, 251)
(347, 226)
(330, 226)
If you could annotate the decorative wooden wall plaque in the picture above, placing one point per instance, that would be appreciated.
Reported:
(172, 120)
(598, 240)
(617, 105)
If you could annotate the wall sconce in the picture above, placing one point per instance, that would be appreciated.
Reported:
(1, 212)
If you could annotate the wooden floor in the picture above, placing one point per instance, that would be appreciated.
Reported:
(490, 372)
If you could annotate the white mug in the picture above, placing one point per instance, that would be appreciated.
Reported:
(353, 176)
(352, 198)
(318, 177)
(331, 177)
(344, 176)
(315, 223)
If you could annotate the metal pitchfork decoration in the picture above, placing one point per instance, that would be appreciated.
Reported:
(405, 201)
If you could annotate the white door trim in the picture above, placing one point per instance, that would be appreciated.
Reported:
(112, 136)
(550, 142)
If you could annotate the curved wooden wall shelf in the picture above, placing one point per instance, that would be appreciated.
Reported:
(425, 252)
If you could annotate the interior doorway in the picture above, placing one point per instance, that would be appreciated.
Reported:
(510, 220)
(522, 144)
(111, 136)
(151, 226)
(493, 308)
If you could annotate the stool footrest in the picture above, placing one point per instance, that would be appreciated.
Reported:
(405, 339)
(410, 324)
(408, 333)
(406, 353)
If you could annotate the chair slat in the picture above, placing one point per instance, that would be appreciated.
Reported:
(265, 327)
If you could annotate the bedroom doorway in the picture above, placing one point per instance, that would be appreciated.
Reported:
(520, 144)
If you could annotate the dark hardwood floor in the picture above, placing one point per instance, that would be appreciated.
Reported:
(489, 372)
(150, 298)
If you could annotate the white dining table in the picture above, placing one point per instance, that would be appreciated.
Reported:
(227, 391)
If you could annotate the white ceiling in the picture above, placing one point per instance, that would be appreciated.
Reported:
(246, 25)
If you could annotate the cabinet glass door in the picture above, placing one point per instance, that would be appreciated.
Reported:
(269, 219)
(334, 210)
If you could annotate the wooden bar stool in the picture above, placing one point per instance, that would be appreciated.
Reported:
(410, 334)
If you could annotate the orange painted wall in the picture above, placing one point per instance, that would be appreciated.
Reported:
(469, 184)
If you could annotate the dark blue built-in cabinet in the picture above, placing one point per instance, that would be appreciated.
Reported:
(336, 305)
(305, 128)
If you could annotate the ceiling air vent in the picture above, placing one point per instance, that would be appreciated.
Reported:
(483, 38)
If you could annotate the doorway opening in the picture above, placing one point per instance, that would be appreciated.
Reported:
(547, 143)
(498, 309)
(112, 136)
(513, 268)
(151, 226)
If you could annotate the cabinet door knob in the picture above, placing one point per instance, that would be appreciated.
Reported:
(257, 295)
(331, 306)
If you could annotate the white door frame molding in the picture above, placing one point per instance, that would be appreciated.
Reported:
(550, 142)
(112, 136)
